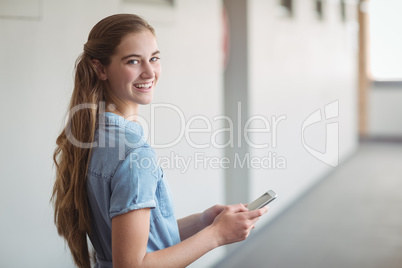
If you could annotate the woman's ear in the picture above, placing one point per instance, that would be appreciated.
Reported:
(100, 69)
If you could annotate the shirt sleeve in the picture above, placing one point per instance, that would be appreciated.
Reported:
(134, 184)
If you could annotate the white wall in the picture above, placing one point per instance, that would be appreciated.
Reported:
(36, 64)
(385, 111)
(299, 65)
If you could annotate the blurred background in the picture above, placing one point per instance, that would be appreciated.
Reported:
(299, 96)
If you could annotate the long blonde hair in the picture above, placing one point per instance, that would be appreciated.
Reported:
(69, 197)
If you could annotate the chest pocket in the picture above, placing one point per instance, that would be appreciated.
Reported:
(164, 198)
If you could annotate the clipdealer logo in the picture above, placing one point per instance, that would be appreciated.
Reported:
(268, 135)
(330, 155)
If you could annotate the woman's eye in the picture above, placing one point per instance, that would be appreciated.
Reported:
(153, 59)
(133, 62)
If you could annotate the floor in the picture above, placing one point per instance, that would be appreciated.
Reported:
(351, 219)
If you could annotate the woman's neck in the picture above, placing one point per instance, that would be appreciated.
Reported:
(125, 111)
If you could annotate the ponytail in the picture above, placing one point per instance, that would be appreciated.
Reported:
(69, 192)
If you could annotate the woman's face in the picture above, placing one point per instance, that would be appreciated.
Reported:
(134, 69)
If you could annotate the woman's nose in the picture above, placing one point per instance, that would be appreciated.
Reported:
(147, 71)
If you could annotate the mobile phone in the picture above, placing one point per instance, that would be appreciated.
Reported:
(262, 201)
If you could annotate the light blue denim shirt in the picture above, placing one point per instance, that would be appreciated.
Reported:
(123, 175)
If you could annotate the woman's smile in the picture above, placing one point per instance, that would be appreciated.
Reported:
(144, 87)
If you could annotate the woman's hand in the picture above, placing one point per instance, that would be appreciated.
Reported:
(209, 215)
(235, 222)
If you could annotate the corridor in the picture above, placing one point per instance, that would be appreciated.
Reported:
(350, 219)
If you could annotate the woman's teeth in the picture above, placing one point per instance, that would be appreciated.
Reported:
(147, 85)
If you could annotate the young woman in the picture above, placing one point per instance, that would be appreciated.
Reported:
(108, 186)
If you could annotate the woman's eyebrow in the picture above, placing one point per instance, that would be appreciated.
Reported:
(139, 56)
